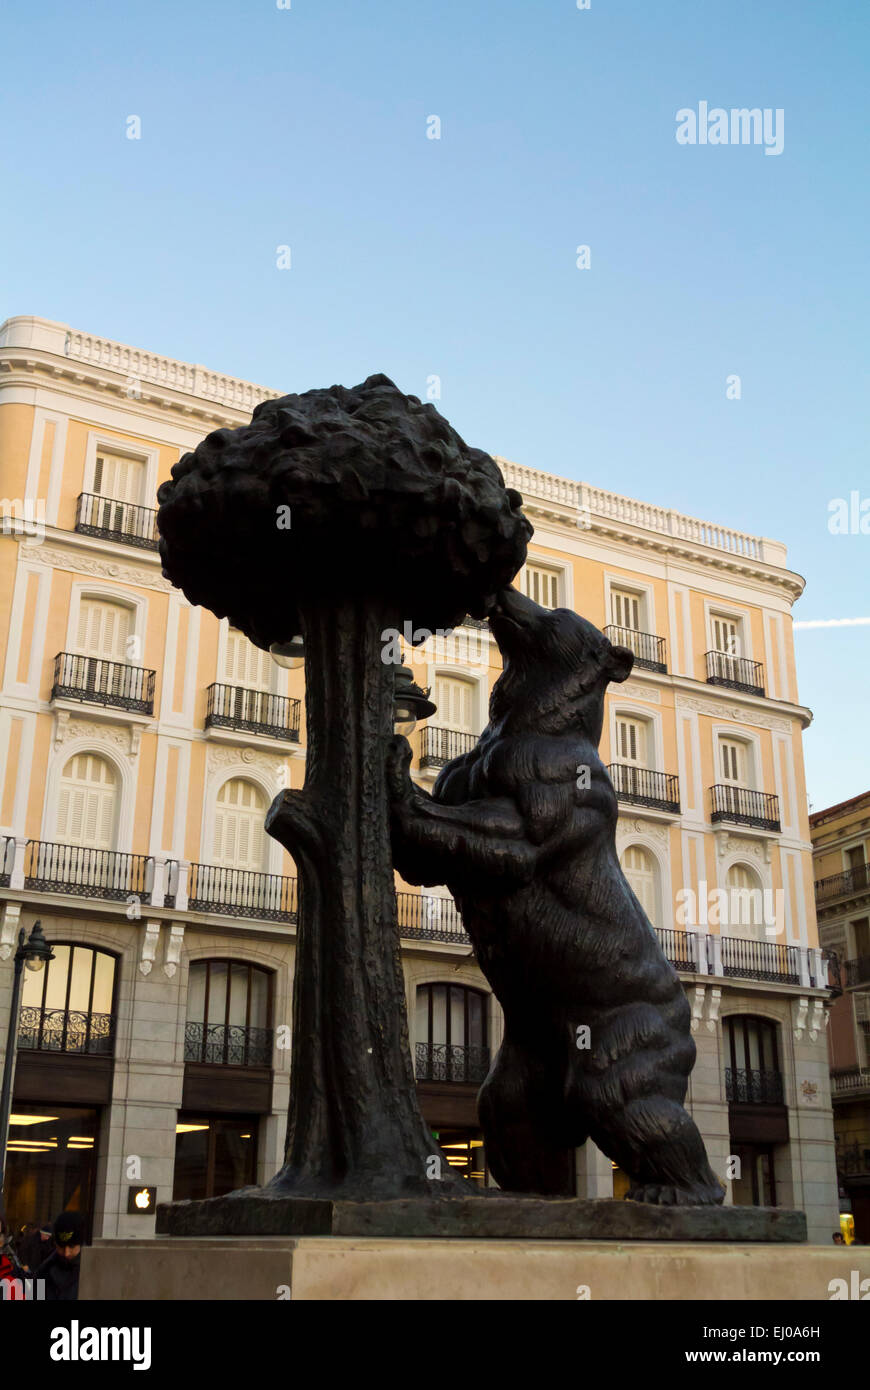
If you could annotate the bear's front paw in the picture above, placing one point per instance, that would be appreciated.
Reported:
(398, 764)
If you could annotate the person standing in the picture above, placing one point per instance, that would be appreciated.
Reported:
(61, 1270)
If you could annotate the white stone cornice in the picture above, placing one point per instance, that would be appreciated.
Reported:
(719, 709)
(98, 568)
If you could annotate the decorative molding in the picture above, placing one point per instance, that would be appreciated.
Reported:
(634, 690)
(98, 569)
(228, 756)
(714, 999)
(716, 710)
(650, 828)
(809, 1093)
(126, 739)
(727, 843)
(173, 949)
(148, 953)
(9, 929)
(696, 995)
(799, 1010)
(818, 1019)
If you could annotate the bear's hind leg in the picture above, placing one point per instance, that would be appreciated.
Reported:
(520, 1153)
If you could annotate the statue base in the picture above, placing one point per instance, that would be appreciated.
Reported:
(261, 1212)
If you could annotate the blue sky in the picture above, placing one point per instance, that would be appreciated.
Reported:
(306, 127)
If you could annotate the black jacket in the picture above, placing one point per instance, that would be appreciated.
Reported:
(33, 1250)
(61, 1278)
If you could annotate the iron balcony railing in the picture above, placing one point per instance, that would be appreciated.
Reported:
(7, 859)
(858, 971)
(680, 948)
(238, 892)
(831, 973)
(461, 1062)
(228, 1044)
(650, 652)
(850, 1079)
(255, 711)
(850, 881)
(87, 873)
(641, 786)
(750, 1087)
(66, 1030)
(116, 521)
(468, 621)
(853, 1160)
(99, 682)
(744, 807)
(422, 916)
(760, 960)
(440, 746)
(735, 672)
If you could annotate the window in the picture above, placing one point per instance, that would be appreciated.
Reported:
(213, 1156)
(725, 634)
(454, 699)
(732, 761)
(118, 477)
(87, 806)
(631, 741)
(541, 584)
(640, 870)
(861, 935)
(745, 913)
(245, 664)
(228, 1014)
(625, 609)
(103, 629)
(451, 1034)
(238, 828)
(67, 1006)
(752, 1075)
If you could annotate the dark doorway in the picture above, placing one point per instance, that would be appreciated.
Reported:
(213, 1155)
(51, 1163)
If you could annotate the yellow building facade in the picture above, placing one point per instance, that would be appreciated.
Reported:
(142, 740)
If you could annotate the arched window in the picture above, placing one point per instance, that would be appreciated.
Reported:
(641, 870)
(87, 811)
(68, 1005)
(239, 838)
(745, 904)
(752, 1069)
(451, 1033)
(229, 1007)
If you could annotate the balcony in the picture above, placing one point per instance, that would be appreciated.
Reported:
(751, 1087)
(680, 948)
(760, 960)
(744, 807)
(640, 786)
(253, 711)
(71, 1031)
(116, 521)
(850, 1082)
(843, 885)
(424, 917)
(227, 1045)
(858, 971)
(98, 682)
(7, 859)
(650, 652)
(735, 672)
(87, 873)
(458, 1062)
(237, 892)
(853, 1160)
(440, 746)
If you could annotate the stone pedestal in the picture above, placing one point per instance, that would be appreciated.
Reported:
(334, 1268)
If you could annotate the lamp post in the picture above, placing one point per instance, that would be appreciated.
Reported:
(34, 953)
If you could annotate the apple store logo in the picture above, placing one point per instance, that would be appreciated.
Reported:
(141, 1201)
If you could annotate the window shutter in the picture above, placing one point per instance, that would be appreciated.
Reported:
(732, 759)
(238, 832)
(103, 629)
(119, 478)
(453, 699)
(639, 870)
(625, 609)
(87, 803)
(726, 635)
(541, 585)
(631, 741)
(245, 665)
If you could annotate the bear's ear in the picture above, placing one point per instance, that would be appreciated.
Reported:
(619, 664)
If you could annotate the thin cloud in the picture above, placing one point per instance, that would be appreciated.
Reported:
(835, 622)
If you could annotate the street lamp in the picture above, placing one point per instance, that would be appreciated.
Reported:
(33, 953)
(410, 703)
(290, 655)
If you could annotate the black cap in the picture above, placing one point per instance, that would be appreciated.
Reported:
(69, 1228)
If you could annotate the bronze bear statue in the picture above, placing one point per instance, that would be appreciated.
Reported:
(597, 1040)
